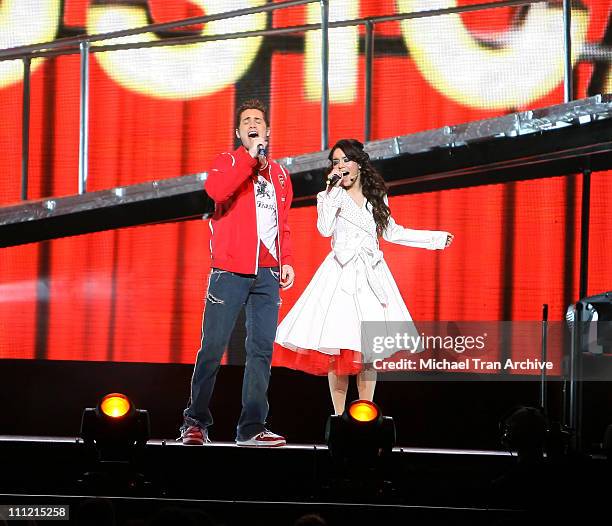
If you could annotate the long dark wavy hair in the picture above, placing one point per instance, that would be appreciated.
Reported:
(372, 184)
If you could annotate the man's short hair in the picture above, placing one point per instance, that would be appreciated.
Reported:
(252, 104)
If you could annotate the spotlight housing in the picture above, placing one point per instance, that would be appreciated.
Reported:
(595, 323)
(361, 433)
(525, 430)
(115, 424)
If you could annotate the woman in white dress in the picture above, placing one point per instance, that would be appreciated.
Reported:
(321, 334)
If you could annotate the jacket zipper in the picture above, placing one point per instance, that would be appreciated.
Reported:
(278, 228)
(256, 227)
(278, 233)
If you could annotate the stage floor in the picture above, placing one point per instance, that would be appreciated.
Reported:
(434, 485)
(289, 446)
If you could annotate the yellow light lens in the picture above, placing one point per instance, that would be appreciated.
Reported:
(363, 411)
(115, 405)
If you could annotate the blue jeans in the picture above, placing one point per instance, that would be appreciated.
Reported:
(227, 293)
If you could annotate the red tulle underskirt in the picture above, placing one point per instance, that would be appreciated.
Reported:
(348, 362)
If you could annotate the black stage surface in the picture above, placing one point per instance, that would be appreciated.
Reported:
(275, 486)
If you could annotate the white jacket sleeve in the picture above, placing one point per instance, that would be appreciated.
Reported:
(328, 207)
(430, 239)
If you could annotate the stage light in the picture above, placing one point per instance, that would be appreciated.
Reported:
(115, 433)
(590, 323)
(595, 323)
(115, 426)
(361, 433)
(525, 431)
(115, 405)
(363, 411)
(360, 442)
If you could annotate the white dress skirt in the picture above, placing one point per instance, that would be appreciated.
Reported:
(325, 330)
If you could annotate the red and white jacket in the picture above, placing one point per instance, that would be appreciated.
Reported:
(234, 242)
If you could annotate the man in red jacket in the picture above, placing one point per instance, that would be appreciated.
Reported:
(251, 258)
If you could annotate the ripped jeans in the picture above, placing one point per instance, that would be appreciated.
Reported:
(227, 293)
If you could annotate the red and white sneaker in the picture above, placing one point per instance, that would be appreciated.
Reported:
(264, 439)
(194, 436)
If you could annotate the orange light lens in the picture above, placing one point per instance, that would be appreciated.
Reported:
(363, 411)
(115, 405)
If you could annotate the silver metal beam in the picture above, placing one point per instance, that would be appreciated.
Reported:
(522, 123)
(180, 198)
(70, 45)
(568, 87)
(369, 61)
(84, 119)
(25, 128)
(19, 51)
(324, 74)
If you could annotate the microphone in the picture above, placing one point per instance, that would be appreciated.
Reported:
(332, 182)
(261, 149)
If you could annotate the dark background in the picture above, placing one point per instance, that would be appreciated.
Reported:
(46, 398)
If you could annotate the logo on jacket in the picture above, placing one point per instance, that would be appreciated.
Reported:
(262, 189)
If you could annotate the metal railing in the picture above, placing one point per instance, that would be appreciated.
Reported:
(82, 45)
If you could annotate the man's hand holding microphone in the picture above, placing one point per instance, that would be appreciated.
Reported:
(258, 147)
